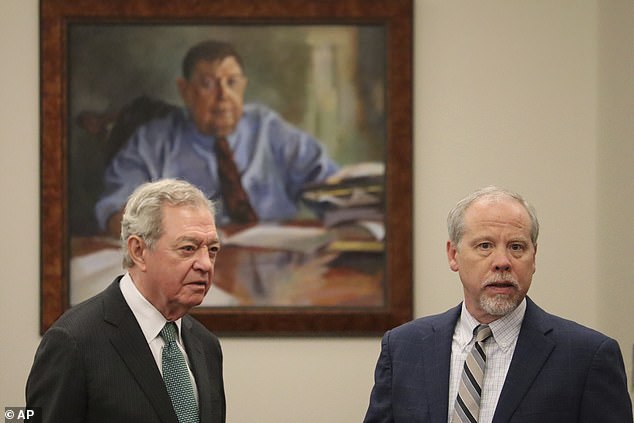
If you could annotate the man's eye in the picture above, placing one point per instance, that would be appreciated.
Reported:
(188, 248)
(517, 247)
(485, 245)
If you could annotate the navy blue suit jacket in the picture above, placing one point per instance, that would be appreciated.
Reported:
(94, 365)
(561, 372)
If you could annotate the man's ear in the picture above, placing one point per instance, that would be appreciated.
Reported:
(183, 85)
(452, 251)
(136, 250)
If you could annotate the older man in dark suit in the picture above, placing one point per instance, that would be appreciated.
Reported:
(131, 353)
(497, 357)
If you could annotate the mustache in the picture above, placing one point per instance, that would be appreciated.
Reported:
(502, 279)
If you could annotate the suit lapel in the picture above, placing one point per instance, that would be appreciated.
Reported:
(196, 355)
(532, 351)
(436, 353)
(129, 342)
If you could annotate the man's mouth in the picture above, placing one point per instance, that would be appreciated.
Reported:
(501, 287)
(222, 113)
(501, 284)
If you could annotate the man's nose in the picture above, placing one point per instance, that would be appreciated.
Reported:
(501, 261)
(222, 88)
(203, 261)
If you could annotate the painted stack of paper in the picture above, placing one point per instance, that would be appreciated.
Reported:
(352, 204)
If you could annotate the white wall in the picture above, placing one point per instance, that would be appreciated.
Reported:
(537, 96)
(615, 191)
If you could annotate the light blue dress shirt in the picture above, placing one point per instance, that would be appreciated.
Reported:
(274, 158)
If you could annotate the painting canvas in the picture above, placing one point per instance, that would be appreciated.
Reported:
(328, 79)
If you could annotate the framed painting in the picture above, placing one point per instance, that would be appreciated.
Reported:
(337, 72)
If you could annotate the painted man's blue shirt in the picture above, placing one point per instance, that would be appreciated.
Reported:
(274, 158)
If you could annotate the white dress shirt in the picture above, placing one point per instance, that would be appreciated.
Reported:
(499, 352)
(151, 322)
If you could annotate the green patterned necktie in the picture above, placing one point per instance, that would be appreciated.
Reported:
(176, 376)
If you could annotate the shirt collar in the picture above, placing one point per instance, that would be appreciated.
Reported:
(148, 317)
(204, 139)
(505, 330)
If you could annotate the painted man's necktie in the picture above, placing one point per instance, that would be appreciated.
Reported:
(234, 196)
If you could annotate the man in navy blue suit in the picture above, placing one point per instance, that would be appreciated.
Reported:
(538, 367)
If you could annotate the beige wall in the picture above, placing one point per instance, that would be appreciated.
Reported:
(537, 96)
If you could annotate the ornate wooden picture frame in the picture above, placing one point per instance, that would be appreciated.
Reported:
(373, 34)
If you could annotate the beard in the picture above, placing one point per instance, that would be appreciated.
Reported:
(501, 304)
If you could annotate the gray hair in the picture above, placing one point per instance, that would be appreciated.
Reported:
(143, 214)
(455, 219)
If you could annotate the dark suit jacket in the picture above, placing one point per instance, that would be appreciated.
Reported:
(94, 365)
(561, 372)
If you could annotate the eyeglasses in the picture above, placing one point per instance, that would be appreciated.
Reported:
(211, 86)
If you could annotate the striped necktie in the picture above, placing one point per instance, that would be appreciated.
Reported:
(234, 196)
(467, 407)
(176, 377)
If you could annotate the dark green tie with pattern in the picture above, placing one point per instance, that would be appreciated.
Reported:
(176, 376)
